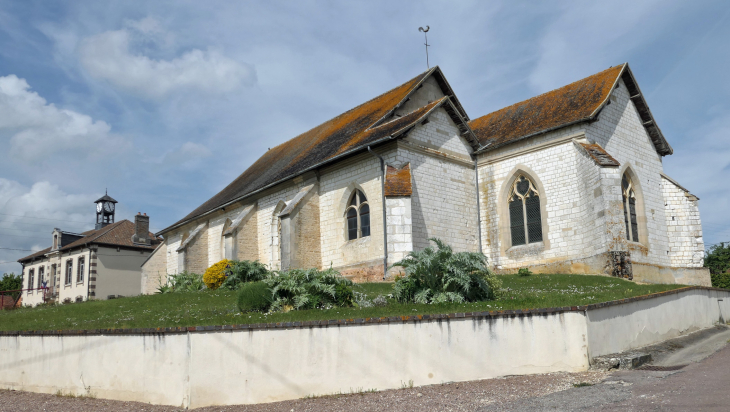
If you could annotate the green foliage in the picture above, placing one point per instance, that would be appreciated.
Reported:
(720, 280)
(524, 272)
(240, 272)
(182, 282)
(309, 289)
(439, 275)
(717, 258)
(254, 297)
(11, 281)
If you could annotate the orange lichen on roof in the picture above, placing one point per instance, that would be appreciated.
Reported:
(599, 155)
(574, 102)
(398, 181)
(344, 133)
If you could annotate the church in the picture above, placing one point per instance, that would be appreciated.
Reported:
(570, 181)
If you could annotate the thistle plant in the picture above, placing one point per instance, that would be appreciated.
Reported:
(240, 272)
(438, 275)
(309, 289)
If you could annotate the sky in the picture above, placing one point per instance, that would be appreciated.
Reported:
(165, 103)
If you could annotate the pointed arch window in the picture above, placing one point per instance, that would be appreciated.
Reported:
(629, 200)
(524, 212)
(358, 216)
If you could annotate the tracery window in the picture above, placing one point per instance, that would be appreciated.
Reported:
(524, 212)
(358, 216)
(629, 198)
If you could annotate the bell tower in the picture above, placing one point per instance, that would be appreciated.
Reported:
(105, 206)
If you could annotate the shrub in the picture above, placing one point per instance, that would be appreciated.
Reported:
(717, 258)
(216, 274)
(254, 297)
(720, 280)
(439, 275)
(11, 281)
(524, 272)
(182, 282)
(309, 289)
(240, 272)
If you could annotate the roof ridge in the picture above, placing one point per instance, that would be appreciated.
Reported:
(435, 102)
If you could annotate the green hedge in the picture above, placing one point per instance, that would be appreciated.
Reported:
(721, 280)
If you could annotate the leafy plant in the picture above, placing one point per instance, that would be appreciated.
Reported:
(254, 297)
(720, 280)
(239, 272)
(182, 282)
(524, 272)
(438, 275)
(309, 289)
(717, 258)
(215, 275)
(11, 281)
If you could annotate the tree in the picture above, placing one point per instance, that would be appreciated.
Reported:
(11, 281)
(717, 258)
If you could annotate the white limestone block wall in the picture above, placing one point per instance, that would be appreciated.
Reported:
(399, 220)
(337, 183)
(269, 206)
(621, 133)
(686, 246)
(443, 180)
(556, 168)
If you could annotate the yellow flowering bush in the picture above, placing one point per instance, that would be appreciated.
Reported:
(216, 274)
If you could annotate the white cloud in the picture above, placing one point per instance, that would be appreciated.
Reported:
(29, 214)
(38, 129)
(187, 155)
(108, 56)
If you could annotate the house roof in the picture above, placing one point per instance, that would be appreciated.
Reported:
(370, 123)
(577, 102)
(116, 234)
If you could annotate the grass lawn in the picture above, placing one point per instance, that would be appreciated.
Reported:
(219, 307)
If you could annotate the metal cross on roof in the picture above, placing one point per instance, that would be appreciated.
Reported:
(426, 43)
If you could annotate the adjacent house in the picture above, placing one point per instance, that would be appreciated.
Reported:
(100, 264)
(570, 181)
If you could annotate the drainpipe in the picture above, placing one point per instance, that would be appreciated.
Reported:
(385, 227)
(479, 215)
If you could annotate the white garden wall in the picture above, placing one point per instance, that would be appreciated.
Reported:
(266, 363)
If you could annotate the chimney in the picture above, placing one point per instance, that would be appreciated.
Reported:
(141, 229)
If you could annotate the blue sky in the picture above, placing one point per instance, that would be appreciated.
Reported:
(164, 103)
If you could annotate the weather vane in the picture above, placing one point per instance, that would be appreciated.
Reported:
(426, 43)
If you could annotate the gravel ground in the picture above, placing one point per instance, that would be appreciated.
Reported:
(462, 396)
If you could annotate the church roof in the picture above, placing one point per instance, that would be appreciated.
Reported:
(370, 123)
(116, 234)
(577, 102)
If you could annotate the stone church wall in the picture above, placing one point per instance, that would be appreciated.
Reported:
(621, 133)
(154, 270)
(196, 253)
(269, 206)
(247, 239)
(443, 201)
(686, 247)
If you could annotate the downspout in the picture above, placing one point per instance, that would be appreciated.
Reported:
(385, 227)
(479, 214)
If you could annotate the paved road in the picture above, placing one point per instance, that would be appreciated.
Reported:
(701, 386)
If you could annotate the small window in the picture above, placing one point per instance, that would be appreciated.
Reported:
(80, 271)
(31, 278)
(69, 271)
(358, 216)
(41, 274)
(629, 200)
(524, 212)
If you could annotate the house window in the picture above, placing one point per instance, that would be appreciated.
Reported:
(31, 278)
(41, 274)
(629, 198)
(80, 271)
(69, 271)
(524, 212)
(358, 216)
